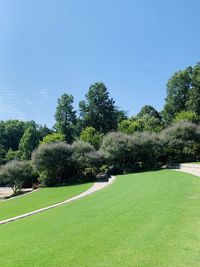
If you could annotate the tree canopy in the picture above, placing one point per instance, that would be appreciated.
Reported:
(28, 142)
(183, 93)
(90, 135)
(98, 110)
(101, 135)
(177, 94)
(148, 110)
(66, 117)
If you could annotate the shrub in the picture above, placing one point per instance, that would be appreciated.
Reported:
(86, 160)
(80, 152)
(16, 174)
(53, 162)
(120, 149)
(82, 156)
(182, 142)
(151, 150)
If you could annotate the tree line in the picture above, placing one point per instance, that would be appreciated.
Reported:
(86, 142)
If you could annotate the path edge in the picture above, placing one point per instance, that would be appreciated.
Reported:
(79, 196)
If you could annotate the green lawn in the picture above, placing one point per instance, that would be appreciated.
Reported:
(40, 199)
(146, 219)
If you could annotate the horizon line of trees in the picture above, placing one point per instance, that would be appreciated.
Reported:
(103, 125)
(56, 162)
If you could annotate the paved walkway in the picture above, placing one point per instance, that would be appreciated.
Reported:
(188, 168)
(97, 186)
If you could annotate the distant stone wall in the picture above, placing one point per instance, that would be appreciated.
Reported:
(186, 167)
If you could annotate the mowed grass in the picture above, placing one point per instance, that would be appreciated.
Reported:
(145, 219)
(40, 199)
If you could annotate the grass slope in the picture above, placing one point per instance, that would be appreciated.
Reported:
(146, 219)
(40, 199)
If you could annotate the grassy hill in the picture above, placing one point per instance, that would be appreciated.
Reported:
(145, 219)
(40, 199)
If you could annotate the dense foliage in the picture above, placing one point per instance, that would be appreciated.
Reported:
(98, 110)
(182, 142)
(28, 142)
(85, 143)
(90, 135)
(183, 93)
(18, 139)
(52, 161)
(59, 163)
(17, 174)
(66, 117)
(53, 138)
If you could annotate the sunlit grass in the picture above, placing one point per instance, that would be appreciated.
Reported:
(145, 219)
(40, 199)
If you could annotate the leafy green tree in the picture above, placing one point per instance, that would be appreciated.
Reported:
(2, 155)
(150, 123)
(11, 132)
(52, 138)
(150, 111)
(12, 155)
(98, 110)
(2, 135)
(121, 115)
(28, 142)
(79, 127)
(193, 103)
(186, 116)
(130, 126)
(16, 174)
(178, 88)
(90, 135)
(66, 117)
(43, 131)
(139, 124)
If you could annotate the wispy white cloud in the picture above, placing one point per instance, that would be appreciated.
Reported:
(8, 105)
(44, 93)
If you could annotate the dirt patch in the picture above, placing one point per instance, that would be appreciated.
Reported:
(7, 192)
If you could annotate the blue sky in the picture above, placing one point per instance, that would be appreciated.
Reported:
(51, 47)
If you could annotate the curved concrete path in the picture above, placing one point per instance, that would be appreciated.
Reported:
(97, 186)
(187, 167)
(190, 171)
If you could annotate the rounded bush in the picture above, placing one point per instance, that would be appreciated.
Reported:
(17, 174)
(53, 162)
